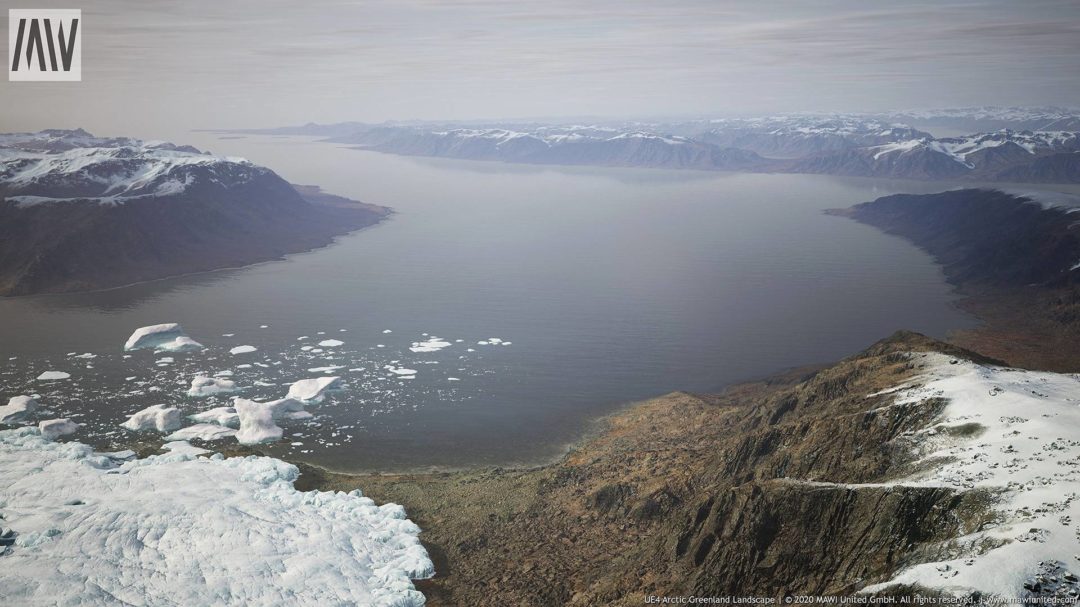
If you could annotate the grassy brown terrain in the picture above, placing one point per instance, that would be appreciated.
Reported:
(1032, 328)
(713, 495)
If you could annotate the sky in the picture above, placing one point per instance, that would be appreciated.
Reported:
(159, 69)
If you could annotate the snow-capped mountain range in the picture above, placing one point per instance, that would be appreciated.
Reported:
(74, 165)
(572, 145)
(838, 144)
(999, 156)
(991, 118)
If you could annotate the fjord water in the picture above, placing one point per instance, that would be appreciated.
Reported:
(614, 285)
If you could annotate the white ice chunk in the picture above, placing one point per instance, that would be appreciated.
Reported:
(184, 448)
(53, 375)
(331, 343)
(157, 417)
(222, 416)
(166, 337)
(18, 409)
(206, 432)
(180, 344)
(50, 429)
(242, 350)
(256, 422)
(432, 344)
(206, 386)
(314, 390)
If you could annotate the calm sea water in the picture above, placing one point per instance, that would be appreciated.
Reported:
(612, 285)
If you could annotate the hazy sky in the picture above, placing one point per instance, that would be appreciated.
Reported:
(156, 69)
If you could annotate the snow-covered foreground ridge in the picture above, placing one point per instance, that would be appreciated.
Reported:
(59, 165)
(183, 530)
(1025, 450)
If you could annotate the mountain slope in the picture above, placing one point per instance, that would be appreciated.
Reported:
(806, 483)
(88, 213)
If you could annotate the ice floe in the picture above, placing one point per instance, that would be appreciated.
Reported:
(243, 350)
(202, 386)
(183, 447)
(432, 344)
(53, 375)
(222, 416)
(314, 390)
(18, 409)
(157, 417)
(166, 337)
(205, 431)
(256, 422)
(51, 429)
(331, 343)
(183, 530)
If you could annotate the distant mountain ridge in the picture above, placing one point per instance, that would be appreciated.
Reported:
(837, 144)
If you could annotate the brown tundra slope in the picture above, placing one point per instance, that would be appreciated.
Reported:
(708, 495)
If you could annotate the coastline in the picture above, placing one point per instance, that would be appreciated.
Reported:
(334, 217)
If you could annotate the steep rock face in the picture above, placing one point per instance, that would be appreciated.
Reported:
(90, 213)
(756, 536)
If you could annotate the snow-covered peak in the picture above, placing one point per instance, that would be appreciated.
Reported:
(50, 166)
(961, 149)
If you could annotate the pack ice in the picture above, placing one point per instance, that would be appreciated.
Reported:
(177, 529)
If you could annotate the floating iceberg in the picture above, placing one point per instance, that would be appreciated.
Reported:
(206, 432)
(18, 409)
(222, 416)
(158, 417)
(242, 350)
(166, 337)
(180, 344)
(256, 422)
(314, 390)
(331, 343)
(173, 529)
(433, 344)
(50, 429)
(207, 386)
(184, 447)
(53, 375)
